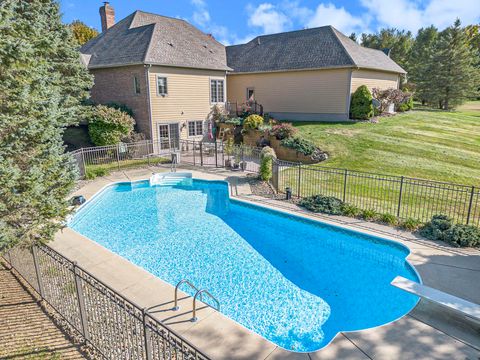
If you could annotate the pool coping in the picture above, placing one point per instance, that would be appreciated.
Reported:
(98, 188)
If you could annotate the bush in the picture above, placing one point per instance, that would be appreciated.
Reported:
(368, 214)
(283, 131)
(361, 106)
(107, 126)
(323, 204)
(351, 210)
(435, 229)
(301, 145)
(237, 121)
(252, 122)
(463, 236)
(388, 219)
(122, 107)
(91, 174)
(267, 155)
(410, 224)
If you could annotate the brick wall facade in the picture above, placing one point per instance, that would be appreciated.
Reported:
(117, 85)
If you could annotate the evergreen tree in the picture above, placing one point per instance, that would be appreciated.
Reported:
(453, 75)
(418, 63)
(41, 85)
(82, 32)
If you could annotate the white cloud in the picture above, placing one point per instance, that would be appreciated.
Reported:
(269, 18)
(329, 14)
(200, 16)
(412, 15)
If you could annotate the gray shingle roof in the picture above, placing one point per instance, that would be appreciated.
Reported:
(145, 38)
(322, 47)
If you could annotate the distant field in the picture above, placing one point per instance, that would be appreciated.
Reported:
(423, 143)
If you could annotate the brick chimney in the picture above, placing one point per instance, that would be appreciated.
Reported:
(107, 15)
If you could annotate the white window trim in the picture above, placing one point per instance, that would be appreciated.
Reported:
(196, 135)
(156, 84)
(224, 89)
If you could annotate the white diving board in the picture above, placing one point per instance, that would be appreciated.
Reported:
(457, 304)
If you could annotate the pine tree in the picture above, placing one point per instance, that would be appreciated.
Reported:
(419, 61)
(452, 70)
(41, 85)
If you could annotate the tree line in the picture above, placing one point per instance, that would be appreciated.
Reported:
(443, 67)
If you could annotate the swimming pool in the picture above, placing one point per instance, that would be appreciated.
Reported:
(296, 282)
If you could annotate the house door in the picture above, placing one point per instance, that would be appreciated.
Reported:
(169, 136)
(250, 94)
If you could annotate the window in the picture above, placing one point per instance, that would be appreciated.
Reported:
(195, 128)
(217, 91)
(136, 85)
(162, 86)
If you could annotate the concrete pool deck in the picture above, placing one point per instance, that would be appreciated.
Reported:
(427, 332)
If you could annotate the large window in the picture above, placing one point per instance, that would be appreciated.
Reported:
(217, 91)
(136, 85)
(162, 86)
(195, 128)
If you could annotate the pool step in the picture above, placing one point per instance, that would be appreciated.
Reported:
(171, 179)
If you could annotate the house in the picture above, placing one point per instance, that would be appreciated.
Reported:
(166, 70)
(307, 74)
(171, 73)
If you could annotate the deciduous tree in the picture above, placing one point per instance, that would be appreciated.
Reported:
(82, 32)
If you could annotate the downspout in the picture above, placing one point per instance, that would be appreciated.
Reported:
(349, 92)
(147, 76)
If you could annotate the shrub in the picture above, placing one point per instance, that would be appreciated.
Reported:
(323, 204)
(436, 228)
(122, 107)
(361, 106)
(369, 214)
(107, 126)
(350, 210)
(410, 224)
(388, 219)
(91, 174)
(406, 105)
(252, 122)
(463, 236)
(283, 131)
(301, 145)
(267, 155)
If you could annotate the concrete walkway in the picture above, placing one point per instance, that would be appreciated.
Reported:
(428, 332)
(26, 331)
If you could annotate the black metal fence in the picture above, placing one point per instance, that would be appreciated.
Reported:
(238, 109)
(402, 196)
(114, 326)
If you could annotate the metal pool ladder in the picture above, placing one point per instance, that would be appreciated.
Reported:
(199, 293)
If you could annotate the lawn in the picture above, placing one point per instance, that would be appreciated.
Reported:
(423, 143)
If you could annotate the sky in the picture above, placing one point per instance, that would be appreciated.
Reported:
(236, 22)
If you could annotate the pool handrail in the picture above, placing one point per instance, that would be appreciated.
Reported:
(194, 306)
(183, 281)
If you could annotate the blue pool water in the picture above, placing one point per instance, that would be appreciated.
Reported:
(294, 281)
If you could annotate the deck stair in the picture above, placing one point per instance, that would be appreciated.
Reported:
(171, 179)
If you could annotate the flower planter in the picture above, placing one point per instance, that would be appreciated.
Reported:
(287, 154)
(252, 137)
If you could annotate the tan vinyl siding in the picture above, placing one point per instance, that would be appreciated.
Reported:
(188, 96)
(312, 91)
(374, 79)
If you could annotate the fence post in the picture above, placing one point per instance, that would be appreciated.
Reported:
(216, 154)
(201, 153)
(472, 193)
(37, 272)
(118, 156)
(345, 185)
(81, 302)
(400, 197)
(193, 150)
(299, 177)
(146, 337)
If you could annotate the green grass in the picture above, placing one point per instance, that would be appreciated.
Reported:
(93, 171)
(429, 144)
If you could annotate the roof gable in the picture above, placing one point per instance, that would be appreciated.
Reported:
(154, 39)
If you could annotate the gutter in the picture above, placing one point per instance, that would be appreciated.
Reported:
(147, 76)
